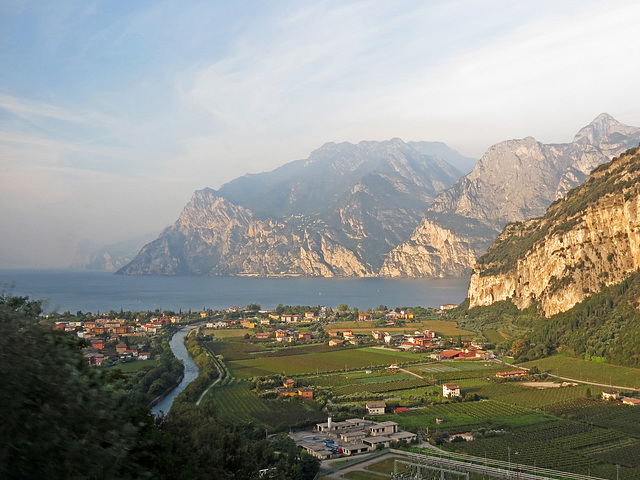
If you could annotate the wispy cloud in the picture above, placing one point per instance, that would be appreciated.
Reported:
(146, 102)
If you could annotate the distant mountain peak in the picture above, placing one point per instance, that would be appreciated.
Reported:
(601, 127)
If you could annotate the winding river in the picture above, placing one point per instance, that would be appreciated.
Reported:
(190, 370)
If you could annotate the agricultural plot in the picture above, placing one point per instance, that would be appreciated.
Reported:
(356, 378)
(233, 350)
(332, 361)
(493, 336)
(588, 371)
(535, 453)
(453, 371)
(622, 418)
(236, 403)
(518, 394)
(467, 416)
(590, 437)
(226, 332)
(381, 387)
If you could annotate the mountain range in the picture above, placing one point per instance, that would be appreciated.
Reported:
(336, 213)
(376, 208)
(586, 241)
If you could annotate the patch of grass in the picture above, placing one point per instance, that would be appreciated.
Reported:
(494, 336)
(135, 366)
(385, 466)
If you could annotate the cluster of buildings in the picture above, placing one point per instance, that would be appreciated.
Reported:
(102, 333)
(350, 437)
(617, 396)
(287, 390)
(472, 352)
(273, 318)
(512, 374)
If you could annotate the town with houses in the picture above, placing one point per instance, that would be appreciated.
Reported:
(126, 340)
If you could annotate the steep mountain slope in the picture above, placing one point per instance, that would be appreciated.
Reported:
(514, 180)
(586, 241)
(336, 213)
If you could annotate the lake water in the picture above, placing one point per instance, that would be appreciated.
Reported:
(63, 290)
(190, 371)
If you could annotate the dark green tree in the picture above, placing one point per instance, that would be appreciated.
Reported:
(58, 417)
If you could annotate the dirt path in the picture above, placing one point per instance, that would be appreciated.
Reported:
(411, 373)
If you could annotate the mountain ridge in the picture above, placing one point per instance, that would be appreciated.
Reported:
(336, 214)
(376, 209)
(587, 240)
(513, 181)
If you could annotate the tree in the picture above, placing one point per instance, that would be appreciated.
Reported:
(58, 418)
(253, 307)
(518, 347)
(343, 307)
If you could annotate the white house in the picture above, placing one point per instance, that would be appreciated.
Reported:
(376, 408)
(450, 390)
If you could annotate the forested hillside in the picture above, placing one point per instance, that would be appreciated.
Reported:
(605, 327)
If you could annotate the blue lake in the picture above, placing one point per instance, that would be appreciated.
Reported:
(63, 290)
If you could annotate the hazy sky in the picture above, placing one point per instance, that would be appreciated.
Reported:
(113, 112)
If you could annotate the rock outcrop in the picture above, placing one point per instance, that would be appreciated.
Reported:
(585, 241)
(514, 180)
(375, 209)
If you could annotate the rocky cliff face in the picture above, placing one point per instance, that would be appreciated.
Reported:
(586, 240)
(359, 210)
(514, 180)
(335, 214)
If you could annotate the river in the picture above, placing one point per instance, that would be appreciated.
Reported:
(190, 370)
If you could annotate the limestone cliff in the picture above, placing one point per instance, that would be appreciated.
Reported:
(335, 214)
(437, 252)
(586, 240)
(514, 180)
(214, 237)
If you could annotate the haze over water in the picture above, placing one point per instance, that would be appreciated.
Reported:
(63, 290)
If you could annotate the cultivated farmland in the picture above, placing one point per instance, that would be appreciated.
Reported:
(330, 361)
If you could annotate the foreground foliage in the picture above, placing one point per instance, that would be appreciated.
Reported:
(59, 418)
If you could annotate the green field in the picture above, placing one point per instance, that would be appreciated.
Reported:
(552, 427)
(329, 361)
(588, 371)
(467, 416)
(134, 366)
(493, 336)
(237, 403)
